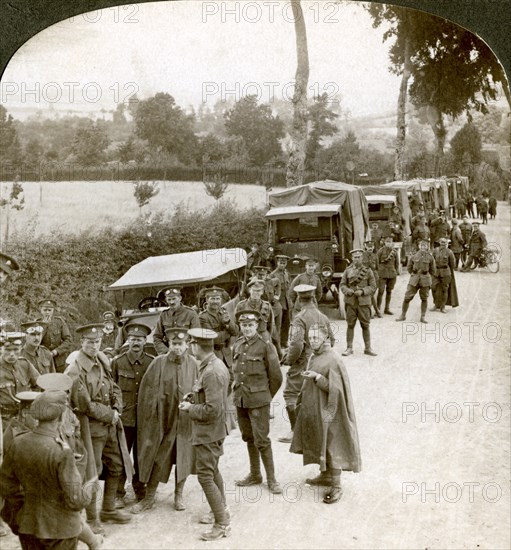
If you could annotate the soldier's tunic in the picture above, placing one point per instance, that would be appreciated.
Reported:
(476, 245)
(444, 261)
(44, 466)
(358, 307)
(421, 267)
(266, 323)
(22, 376)
(183, 316)
(128, 370)
(420, 233)
(56, 336)
(304, 279)
(282, 324)
(257, 378)
(466, 231)
(164, 431)
(388, 267)
(370, 259)
(41, 359)
(299, 349)
(220, 322)
(439, 228)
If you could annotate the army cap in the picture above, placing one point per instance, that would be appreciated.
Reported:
(26, 397)
(425, 241)
(465, 217)
(93, 331)
(476, 223)
(108, 316)
(454, 221)
(258, 285)
(49, 405)
(201, 335)
(301, 289)
(134, 328)
(356, 251)
(262, 268)
(246, 315)
(8, 264)
(13, 340)
(176, 334)
(369, 242)
(47, 302)
(281, 257)
(214, 291)
(310, 260)
(443, 240)
(55, 381)
(33, 326)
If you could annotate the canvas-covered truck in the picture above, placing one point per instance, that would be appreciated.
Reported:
(324, 220)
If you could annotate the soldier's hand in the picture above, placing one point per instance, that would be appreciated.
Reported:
(359, 292)
(350, 292)
(116, 417)
(185, 406)
(54, 352)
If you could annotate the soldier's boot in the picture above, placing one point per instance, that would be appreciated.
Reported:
(109, 512)
(324, 478)
(179, 504)
(292, 419)
(334, 494)
(150, 493)
(367, 341)
(92, 515)
(424, 308)
(273, 484)
(387, 311)
(88, 537)
(350, 333)
(379, 299)
(376, 307)
(402, 317)
(254, 477)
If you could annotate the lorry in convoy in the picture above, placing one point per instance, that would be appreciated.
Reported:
(323, 220)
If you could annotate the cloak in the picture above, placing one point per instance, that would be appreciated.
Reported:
(452, 293)
(164, 431)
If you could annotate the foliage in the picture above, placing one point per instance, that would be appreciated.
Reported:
(466, 144)
(217, 187)
(90, 143)
(144, 191)
(321, 121)
(257, 127)
(10, 147)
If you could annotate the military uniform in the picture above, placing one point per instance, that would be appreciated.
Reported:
(476, 245)
(41, 359)
(444, 261)
(388, 266)
(282, 324)
(370, 259)
(466, 231)
(56, 337)
(182, 316)
(266, 322)
(358, 307)
(439, 228)
(22, 376)
(224, 326)
(304, 279)
(420, 233)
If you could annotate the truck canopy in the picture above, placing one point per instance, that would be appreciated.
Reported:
(349, 199)
(181, 269)
(399, 193)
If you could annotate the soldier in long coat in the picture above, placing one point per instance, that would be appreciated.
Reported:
(164, 431)
(326, 429)
(444, 280)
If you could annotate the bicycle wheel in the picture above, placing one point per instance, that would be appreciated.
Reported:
(492, 263)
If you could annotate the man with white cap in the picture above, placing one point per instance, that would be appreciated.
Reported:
(33, 350)
(176, 315)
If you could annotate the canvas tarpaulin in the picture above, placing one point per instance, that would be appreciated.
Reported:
(402, 200)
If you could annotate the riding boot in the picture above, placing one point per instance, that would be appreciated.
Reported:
(387, 304)
(273, 484)
(92, 513)
(367, 341)
(109, 512)
(254, 477)
(88, 537)
(292, 419)
(376, 307)
(150, 492)
(379, 300)
(350, 333)
(424, 308)
(403, 312)
(334, 494)
(179, 505)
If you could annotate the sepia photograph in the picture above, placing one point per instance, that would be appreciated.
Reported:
(254, 278)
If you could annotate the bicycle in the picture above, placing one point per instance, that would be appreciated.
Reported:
(489, 259)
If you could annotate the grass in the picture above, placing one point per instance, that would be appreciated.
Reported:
(72, 207)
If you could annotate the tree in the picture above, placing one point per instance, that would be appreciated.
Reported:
(132, 149)
(466, 144)
(336, 157)
(10, 147)
(258, 128)
(144, 191)
(90, 143)
(296, 161)
(217, 187)
(165, 126)
(14, 200)
(320, 117)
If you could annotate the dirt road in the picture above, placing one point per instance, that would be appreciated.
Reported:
(433, 413)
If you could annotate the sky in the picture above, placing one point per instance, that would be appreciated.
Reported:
(201, 52)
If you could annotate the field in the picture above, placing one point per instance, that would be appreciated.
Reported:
(71, 207)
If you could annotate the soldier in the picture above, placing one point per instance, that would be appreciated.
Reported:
(439, 228)
(33, 351)
(207, 412)
(444, 261)
(358, 286)
(164, 430)
(299, 351)
(256, 303)
(127, 372)
(396, 217)
(420, 232)
(376, 235)
(477, 244)
(216, 318)
(483, 209)
(282, 274)
(460, 207)
(44, 466)
(56, 336)
(177, 315)
(417, 217)
(97, 401)
(8, 266)
(415, 202)
(109, 338)
(456, 243)
(16, 375)
(388, 266)
(370, 259)
(308, 278)
(492, 207)
(326, 429)
(421, 267)
(466, 232)
(257, 378)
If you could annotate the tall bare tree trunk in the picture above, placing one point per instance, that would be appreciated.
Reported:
(440, 132)
(296, 162)
(401, 114)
